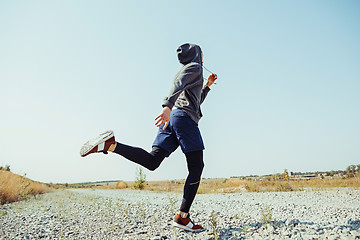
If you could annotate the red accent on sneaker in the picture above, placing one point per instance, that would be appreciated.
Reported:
(99, 144)
(186, 224)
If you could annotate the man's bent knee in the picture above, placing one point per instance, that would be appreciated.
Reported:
(158, 155)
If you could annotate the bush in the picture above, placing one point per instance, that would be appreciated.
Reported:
(121, 185)
(140, 179)
(6, 168)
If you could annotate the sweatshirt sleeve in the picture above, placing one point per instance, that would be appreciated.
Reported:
(186, 78)
(204, 93)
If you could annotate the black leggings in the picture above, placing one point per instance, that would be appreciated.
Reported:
(153, 160)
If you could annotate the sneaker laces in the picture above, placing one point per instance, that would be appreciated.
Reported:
(188, 216)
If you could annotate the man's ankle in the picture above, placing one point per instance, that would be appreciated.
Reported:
(112, 147)
(183, 214)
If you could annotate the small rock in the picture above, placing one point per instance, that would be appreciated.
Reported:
(292, 222)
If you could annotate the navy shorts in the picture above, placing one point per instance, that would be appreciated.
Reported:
(182, 131)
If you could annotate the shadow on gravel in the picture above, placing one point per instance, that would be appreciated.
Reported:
(236, 233)
(353, 224)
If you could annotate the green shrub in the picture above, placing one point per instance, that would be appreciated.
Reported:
(214, 223)
(140, 179)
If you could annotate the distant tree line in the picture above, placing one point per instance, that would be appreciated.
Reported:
(349, 172)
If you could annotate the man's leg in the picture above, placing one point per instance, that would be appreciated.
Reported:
(195, 166)
(137, 155)
(105, 142)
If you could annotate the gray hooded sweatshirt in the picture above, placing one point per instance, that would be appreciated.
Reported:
(187, 91)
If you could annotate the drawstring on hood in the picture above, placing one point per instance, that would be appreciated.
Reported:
(208, 71)
(188, 53)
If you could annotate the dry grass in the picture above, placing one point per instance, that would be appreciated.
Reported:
(223, 185)
(328, 183)
(165, 186)
(232, 185)
(269, 186)
(14, 187)
(206, 186)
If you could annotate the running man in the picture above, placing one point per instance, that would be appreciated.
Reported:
(178, 126)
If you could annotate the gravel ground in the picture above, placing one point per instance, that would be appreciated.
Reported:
(127, 214)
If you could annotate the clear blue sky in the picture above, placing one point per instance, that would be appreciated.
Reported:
(288, 92)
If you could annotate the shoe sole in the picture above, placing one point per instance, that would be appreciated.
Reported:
(186, 228)
(89, 145)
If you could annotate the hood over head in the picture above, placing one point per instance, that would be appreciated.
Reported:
(188, 53)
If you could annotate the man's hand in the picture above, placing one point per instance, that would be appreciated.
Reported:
(211, 79)
(164, 117)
